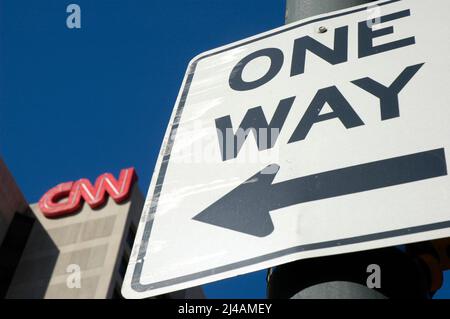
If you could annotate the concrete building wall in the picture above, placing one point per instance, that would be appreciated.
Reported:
(11, 199)
(38, 255)
(93, 240)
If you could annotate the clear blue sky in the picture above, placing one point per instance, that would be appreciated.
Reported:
(77, 103)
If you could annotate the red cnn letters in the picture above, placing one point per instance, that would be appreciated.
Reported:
(66, 198)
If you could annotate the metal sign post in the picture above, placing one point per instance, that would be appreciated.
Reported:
(301, 9)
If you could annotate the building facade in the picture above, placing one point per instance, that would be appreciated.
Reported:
(69, 251)
(16, 222)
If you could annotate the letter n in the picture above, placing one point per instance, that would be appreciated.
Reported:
(119, 190)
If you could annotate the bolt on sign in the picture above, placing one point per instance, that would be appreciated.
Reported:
(326, 136)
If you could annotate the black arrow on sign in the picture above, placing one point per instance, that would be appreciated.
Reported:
(246, 208)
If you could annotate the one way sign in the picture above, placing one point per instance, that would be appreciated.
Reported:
(322, 137)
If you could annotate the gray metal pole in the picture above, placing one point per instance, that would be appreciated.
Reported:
(345, 276)
(301, 9)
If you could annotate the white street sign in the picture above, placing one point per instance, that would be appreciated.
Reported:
(321, 137)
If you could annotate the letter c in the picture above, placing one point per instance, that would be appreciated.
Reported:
(51, 205)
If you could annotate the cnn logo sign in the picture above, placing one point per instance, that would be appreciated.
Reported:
(67, 198)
